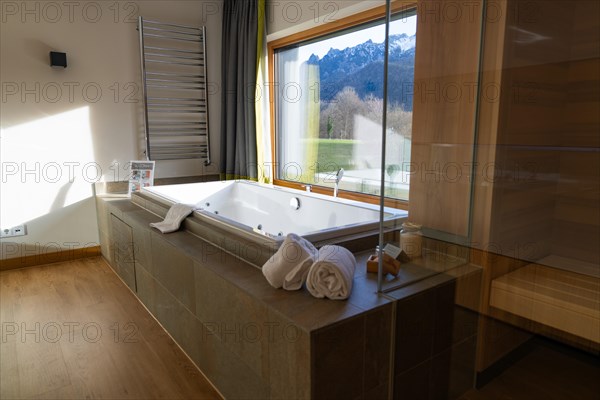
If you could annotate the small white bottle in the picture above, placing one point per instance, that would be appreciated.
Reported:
(411, 239)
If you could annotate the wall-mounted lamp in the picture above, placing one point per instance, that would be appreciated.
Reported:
(58, 59)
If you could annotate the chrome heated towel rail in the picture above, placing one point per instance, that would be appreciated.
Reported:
(174, 91)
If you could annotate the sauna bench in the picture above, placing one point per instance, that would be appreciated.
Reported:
(254, 341)
(557, 298)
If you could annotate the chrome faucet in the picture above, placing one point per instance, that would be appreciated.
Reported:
(338, 178)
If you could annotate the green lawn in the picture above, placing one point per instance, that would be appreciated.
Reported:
(334, 154)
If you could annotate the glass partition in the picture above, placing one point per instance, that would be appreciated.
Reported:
(537, 194)
(504, 178)
(445, 96)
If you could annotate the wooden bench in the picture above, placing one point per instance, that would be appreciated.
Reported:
(560, 299)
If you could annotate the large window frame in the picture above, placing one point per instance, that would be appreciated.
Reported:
(352, 21)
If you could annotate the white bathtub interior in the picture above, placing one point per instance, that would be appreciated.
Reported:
(267, 208)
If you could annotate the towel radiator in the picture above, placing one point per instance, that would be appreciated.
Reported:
(174, 91)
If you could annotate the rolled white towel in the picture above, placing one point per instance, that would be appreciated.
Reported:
(332, 274)
(289, 266)
(176, 214)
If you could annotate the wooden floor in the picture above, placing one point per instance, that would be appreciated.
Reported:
(73, 330)
(548, 373)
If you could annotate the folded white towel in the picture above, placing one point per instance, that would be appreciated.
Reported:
(332, 274)
(176, 214)
(290, 264)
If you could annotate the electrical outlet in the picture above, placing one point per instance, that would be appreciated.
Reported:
(19, 230)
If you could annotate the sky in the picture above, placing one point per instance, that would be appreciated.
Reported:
(376, 34)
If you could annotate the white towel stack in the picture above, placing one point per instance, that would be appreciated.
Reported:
(332, 274)
(289, 267)
(176, 214)
(328, 272)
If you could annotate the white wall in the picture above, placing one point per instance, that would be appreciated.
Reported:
(286, 17)
(59, 134)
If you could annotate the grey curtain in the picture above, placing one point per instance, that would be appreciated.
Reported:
(238, 121)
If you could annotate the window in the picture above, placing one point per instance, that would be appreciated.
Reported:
(329, 107)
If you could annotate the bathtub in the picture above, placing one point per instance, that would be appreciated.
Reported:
(263, 215)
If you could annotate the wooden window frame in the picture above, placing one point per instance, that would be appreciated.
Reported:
(367, 16)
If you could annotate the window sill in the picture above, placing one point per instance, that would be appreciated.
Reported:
(365, 198)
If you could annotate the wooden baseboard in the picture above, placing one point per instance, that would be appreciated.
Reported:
(49, 258)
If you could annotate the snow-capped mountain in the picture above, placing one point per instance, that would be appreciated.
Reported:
(361, 67)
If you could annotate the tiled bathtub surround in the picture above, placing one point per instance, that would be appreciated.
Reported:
(253, 341)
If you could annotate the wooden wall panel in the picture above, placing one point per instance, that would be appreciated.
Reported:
(531, 130)
(446, 70)
(576, 231)
(542, 136)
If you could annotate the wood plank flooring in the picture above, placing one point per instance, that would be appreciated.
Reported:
(548, 373)
(73, 330)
